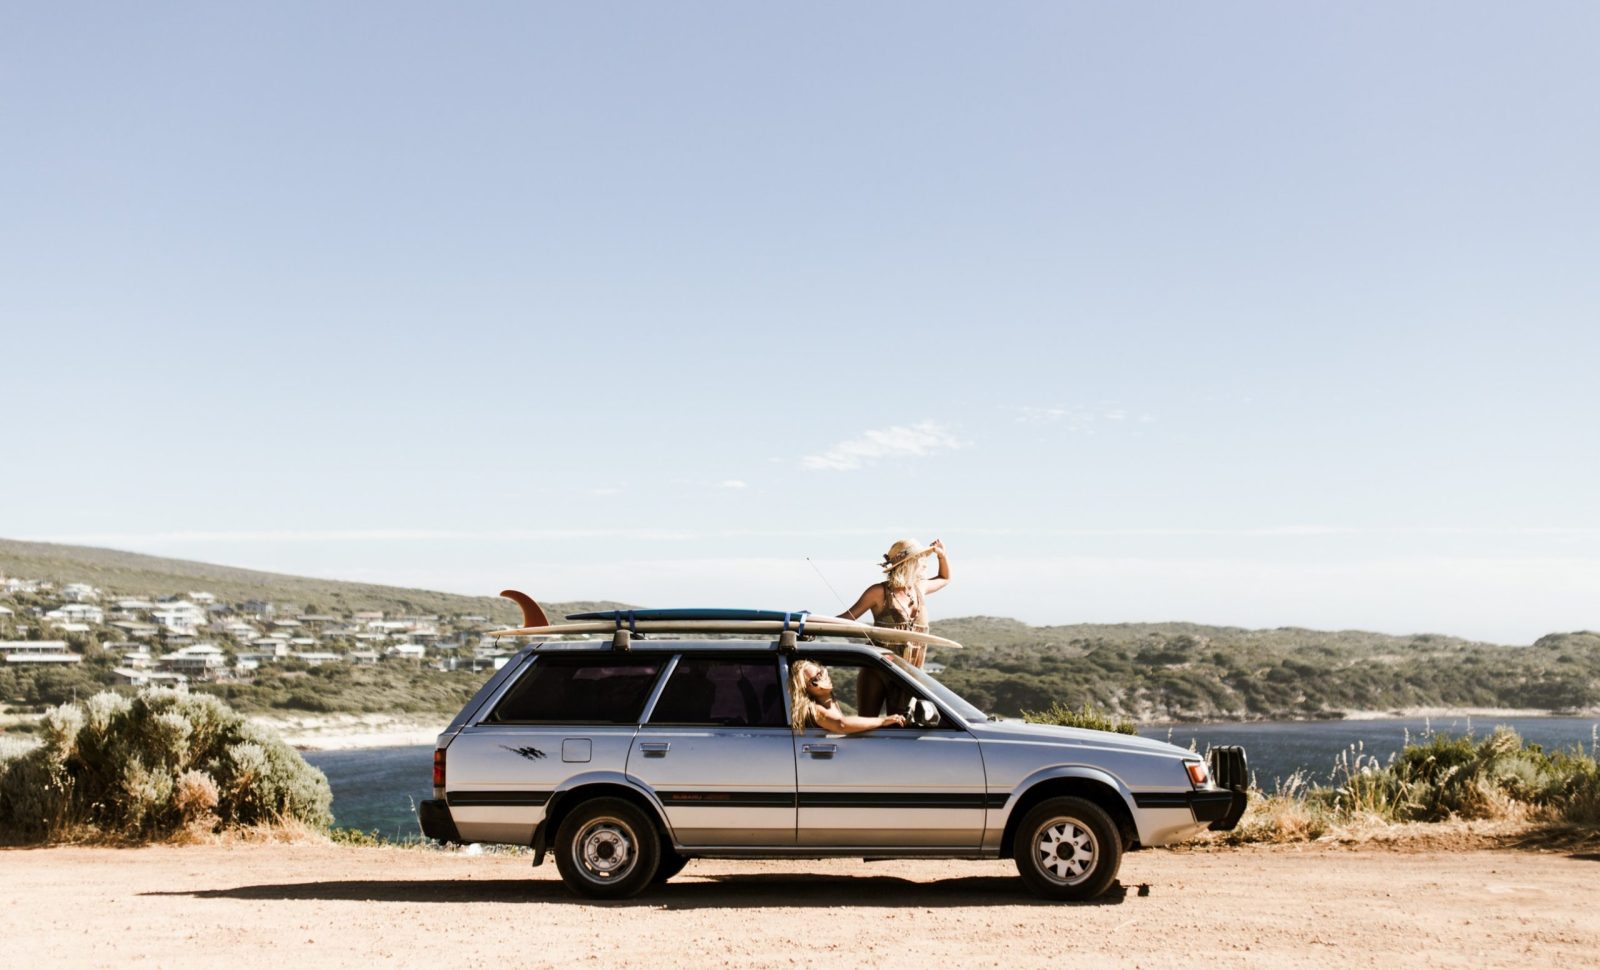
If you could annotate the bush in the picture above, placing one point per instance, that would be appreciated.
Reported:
(1087, 716)
(153, 766)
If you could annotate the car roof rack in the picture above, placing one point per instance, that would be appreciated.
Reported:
(624, 627)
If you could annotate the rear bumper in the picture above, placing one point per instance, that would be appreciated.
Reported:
(437, 823)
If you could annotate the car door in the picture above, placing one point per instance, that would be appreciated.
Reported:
(565, 714)
(917, 788)
(718, 752)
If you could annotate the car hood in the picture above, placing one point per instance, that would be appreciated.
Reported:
(1056, 734)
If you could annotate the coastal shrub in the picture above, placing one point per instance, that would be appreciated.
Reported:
(152, 766)
(1087, 716)
(1436, 778)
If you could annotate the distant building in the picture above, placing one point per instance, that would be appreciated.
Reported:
(180, 617)
(38, 652)
(144, 677)
(77, 613)
(80, 592)
(199, 659)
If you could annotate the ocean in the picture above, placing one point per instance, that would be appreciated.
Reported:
(378, 789)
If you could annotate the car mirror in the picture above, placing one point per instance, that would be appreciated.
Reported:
(921, 713)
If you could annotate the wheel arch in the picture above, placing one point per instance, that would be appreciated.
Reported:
(581, 790)
(1090, 785)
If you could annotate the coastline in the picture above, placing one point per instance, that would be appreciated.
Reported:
(345, 732)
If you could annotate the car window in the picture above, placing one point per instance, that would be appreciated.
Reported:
(865, 688)
(581, 690)
(724, 691)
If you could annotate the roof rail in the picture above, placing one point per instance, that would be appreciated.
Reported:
(812, 627)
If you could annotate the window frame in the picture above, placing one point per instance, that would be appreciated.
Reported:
(648, 718)
(577, 660)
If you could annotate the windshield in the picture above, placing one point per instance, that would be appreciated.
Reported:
(944, 695)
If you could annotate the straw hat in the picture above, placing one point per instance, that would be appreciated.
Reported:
(903, 550)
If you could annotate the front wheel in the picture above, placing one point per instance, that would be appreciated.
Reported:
(608, 849)
(1068, 848)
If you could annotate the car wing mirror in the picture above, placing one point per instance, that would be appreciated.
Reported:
(921, 713)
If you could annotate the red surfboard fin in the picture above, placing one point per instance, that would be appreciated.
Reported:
(532, 613)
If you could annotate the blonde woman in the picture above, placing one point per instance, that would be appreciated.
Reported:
(899, 603)
(811, 689)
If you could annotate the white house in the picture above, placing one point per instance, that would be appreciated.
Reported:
(179, 617)
(407, 651)
(315, 658)
(196, 659)
(80, 592)
(204, 599)
(77, 613)
(144, 677)
(38, 652)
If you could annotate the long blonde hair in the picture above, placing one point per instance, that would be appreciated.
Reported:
(904, 564)
(799, 700)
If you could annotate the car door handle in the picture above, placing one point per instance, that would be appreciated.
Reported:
(819, 750)
(655, 749)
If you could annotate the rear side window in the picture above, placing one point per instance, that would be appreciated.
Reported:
(579, 690)
(723, 691)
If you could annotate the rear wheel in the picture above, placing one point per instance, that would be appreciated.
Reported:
(608, 849)
(1068, 848)
(671, 864)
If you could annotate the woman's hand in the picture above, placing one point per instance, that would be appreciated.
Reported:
(894, 720)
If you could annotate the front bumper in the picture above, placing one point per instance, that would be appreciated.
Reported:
(1221, 808)
(437, 823)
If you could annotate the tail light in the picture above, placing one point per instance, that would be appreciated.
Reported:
(1197, 771)
(438, 772)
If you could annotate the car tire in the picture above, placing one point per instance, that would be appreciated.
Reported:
(671, 864)
(607, 848)
(1067, 848)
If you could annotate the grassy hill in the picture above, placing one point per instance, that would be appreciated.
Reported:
(131, 573)
(1146, 671)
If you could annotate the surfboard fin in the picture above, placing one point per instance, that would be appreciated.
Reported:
(532, 613)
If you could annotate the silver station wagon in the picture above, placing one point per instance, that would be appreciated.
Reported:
(629, 755)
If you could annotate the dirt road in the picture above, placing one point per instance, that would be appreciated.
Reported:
(290, 907)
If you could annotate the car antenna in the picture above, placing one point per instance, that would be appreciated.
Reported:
(825, 582)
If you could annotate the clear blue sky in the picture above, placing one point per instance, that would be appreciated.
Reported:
(1257, 314)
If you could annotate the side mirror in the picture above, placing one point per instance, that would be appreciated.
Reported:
(922, 713)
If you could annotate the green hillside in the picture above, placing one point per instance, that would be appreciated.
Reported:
(131, 573)
(1146, 671)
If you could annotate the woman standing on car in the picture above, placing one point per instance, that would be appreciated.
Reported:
(811, 688)
(899, 603)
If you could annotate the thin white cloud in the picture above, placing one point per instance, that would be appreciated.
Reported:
(1078, 419)
(917, 441)
(731, 483)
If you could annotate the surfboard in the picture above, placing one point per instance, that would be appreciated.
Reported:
(692, 613)
(833, 627)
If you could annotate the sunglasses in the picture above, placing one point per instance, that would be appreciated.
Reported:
(815, 678)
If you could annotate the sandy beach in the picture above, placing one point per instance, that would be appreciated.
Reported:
(339, 732)
(316, 905)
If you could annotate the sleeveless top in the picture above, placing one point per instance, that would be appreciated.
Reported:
(894, 618)
(913, 618)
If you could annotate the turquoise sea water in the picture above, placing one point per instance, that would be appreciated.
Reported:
(379, 788)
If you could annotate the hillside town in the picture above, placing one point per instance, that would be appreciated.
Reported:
(177, 640)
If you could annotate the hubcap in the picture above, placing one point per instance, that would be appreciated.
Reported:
(1065, 851)
(605, 849)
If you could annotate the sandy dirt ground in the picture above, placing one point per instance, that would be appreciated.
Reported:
(315, 905)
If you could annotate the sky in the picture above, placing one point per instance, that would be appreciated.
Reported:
(1248, 314)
